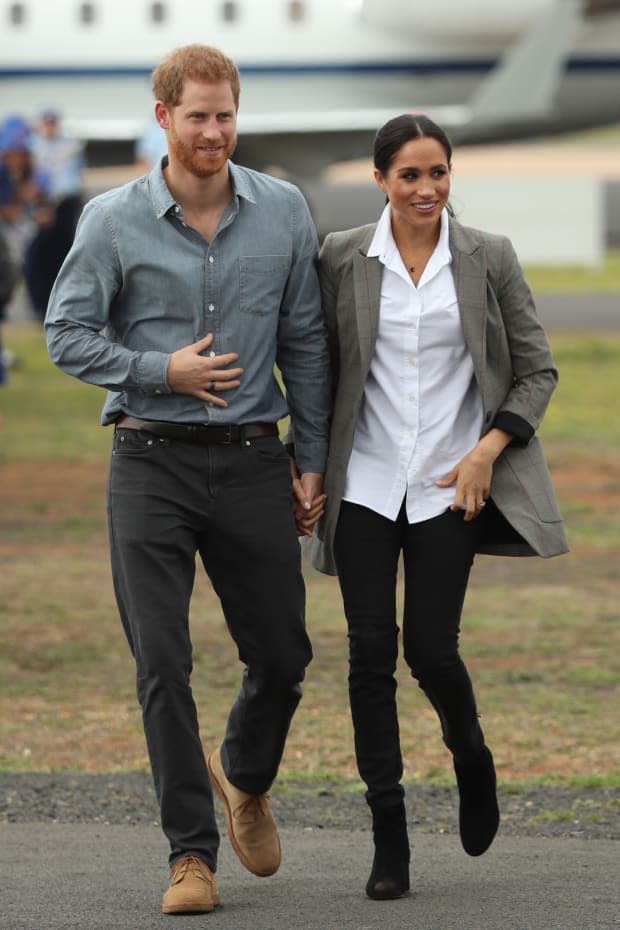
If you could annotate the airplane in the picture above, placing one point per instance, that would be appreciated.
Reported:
(320, 76)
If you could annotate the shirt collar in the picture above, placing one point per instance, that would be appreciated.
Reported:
(240, 179)
(384, 247)
(164, 201)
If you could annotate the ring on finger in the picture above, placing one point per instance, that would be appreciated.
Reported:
(482, 503)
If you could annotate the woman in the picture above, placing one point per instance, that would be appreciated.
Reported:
(442, 375)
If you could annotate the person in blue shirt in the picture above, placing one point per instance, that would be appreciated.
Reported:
(182, 291)
(59, 157)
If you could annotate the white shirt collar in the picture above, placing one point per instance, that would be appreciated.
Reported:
(384, 247)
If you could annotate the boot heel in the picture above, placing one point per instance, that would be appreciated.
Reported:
(389, 877)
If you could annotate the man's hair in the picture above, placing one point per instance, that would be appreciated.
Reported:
(199, 62)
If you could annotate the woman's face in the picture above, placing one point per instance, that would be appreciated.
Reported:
(417, 184)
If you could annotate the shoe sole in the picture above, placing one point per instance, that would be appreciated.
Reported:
(231, 833)
(185, 909)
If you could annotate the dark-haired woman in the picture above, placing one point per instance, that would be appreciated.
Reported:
(442, 375)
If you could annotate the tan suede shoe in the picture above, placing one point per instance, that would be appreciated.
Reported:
(251, 827)
(193, 888)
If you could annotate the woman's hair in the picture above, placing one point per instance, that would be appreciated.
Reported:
(402, 129)
(200, 62)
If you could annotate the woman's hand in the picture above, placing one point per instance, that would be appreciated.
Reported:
(308, 499)
(472, 475)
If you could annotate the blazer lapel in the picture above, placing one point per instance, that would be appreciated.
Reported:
(367, 273)
(470, 279)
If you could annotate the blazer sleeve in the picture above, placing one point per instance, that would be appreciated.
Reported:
(534, 375)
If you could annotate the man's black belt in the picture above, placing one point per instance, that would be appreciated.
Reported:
(198, 432)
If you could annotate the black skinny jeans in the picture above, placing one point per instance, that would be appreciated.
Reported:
(232, 504)
(437, 556)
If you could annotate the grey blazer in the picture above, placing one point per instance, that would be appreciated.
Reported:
(512, 363)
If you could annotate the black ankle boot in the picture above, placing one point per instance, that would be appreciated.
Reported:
(478, 809)
(390, 867)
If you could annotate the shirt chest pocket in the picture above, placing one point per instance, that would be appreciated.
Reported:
(262, 279)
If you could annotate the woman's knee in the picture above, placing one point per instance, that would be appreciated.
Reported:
(373, 649)
(429, 660)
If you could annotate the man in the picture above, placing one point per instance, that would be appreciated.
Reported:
(201, 276)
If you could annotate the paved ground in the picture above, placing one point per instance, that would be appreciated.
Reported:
(579, 311)
(557, 311)
(65, 876)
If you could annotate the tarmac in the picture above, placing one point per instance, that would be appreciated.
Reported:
(96, 877)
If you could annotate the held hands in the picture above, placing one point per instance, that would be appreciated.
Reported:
(190, 372)
(308, 499)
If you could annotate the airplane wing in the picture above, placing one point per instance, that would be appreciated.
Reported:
(523, 84)
(521, 88)
(338, 120)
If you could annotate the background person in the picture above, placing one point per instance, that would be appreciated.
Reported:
(9, 276)
(151, 146)
(442, 374)
(203, 276)
(26, 211)
(60, 158)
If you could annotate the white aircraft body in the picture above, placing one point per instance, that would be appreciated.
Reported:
(319, 76)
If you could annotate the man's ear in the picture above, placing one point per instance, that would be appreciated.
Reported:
(161, 115)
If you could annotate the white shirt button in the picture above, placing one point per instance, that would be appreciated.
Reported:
(211, 259)
(211, 308)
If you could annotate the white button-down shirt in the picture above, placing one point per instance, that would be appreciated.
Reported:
(421, 411)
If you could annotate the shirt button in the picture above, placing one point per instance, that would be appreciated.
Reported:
(177, 210)
(212, 353)
(211, 308)
(211, 259)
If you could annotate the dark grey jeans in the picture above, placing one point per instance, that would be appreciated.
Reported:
(168, 501)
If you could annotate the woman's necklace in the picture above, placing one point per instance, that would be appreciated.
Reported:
(417, 263)
(415, 255)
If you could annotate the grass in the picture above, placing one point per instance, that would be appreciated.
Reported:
(540, 637)
(576, 279)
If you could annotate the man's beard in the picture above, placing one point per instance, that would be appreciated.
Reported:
(186, 154)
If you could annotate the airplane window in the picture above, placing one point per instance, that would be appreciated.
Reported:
(17, 14)
(296, 11)
(158, 12)
(230, 12)
(87, 13)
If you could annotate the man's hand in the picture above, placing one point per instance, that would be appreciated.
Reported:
(308, 499)
(190, 372)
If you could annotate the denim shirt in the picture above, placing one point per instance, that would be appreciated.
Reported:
(138, 284)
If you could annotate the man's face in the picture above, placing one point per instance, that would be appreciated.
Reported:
(202, 129)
